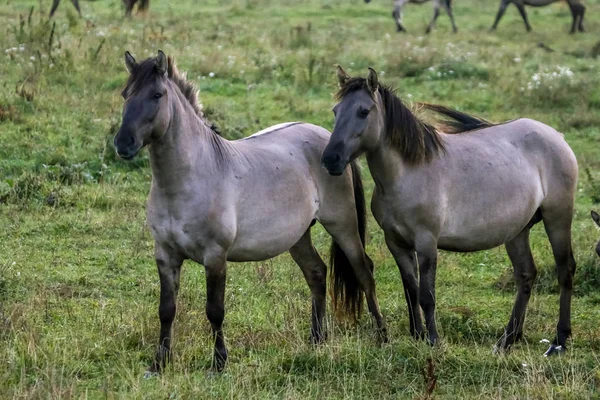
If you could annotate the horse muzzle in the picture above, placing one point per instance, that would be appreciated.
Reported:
(333, 163)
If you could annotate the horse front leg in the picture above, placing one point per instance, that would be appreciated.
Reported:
(426, 247)
(436, 14)
(501, 11)
(407, 264)
(169, 268)
(216, 269)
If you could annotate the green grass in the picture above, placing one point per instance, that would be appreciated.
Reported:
(78, 285)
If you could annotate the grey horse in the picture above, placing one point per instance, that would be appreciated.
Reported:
(446, 5)
(214, 200)
(576, 6)
(458, 191)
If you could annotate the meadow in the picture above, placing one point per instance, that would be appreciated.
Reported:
(78, 283)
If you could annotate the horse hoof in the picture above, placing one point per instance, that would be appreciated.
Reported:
(554, 349)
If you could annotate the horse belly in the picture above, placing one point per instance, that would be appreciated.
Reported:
(490, 223)
(261, 244)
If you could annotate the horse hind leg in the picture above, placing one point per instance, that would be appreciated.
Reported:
(557, 222)
(315, 273)
(521, 8)
(578, 12)
(351, 258)
(525, 272)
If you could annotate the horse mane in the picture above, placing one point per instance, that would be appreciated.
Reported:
(456, 121)
(415, 140)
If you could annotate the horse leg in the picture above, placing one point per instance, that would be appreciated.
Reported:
(351, 244)
(76, 5)
(448, 7)
(436, 14)
(519, 252)
(216, 269)
(397, 15)
(558, 227)
(426, 248)
(407, 264)
(315, 273)
(169, 268)
(501, 11)
(577, 11)
(521, 8)
(129, 7)
(55, 4)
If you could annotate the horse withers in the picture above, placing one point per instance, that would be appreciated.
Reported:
(214, 201)
(473, 186)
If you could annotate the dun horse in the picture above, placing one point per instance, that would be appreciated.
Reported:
(437, 4)
(474, 187)
(577, 11)
(214, 200)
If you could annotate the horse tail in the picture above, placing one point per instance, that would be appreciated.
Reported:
(347, 292)
(456, 121)
(449, 3)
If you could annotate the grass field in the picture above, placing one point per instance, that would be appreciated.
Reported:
(78, 284)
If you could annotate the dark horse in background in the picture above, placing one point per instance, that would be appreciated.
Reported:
(129, 4)
(577, 11)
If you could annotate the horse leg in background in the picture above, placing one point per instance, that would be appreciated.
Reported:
(407, 264)
(169, 268)
(129, 7)
(216, 271)
(436, 14)
(55, 4)
(581, 8)
(397, 14)
(577, 11)
(426, 247)
(76, 5)
(524, 269)
(315, 273)
(557, 223)
(447, 4)
(501, 11)
(521, 8)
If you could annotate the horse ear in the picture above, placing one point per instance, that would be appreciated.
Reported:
(596, 217)
(162, 63)
(130, 62)
(342, 76)
(372, 82)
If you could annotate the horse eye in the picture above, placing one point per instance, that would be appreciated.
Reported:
(157, 95)
(363, 113)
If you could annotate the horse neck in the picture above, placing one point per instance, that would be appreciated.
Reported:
(187, 152)
(385, 164)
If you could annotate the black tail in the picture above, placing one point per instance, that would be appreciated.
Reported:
(347, 293)
(449, 3)
(459, 122)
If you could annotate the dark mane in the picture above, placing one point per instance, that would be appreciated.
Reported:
(456, 121)
(415, 140)
(146, 70)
